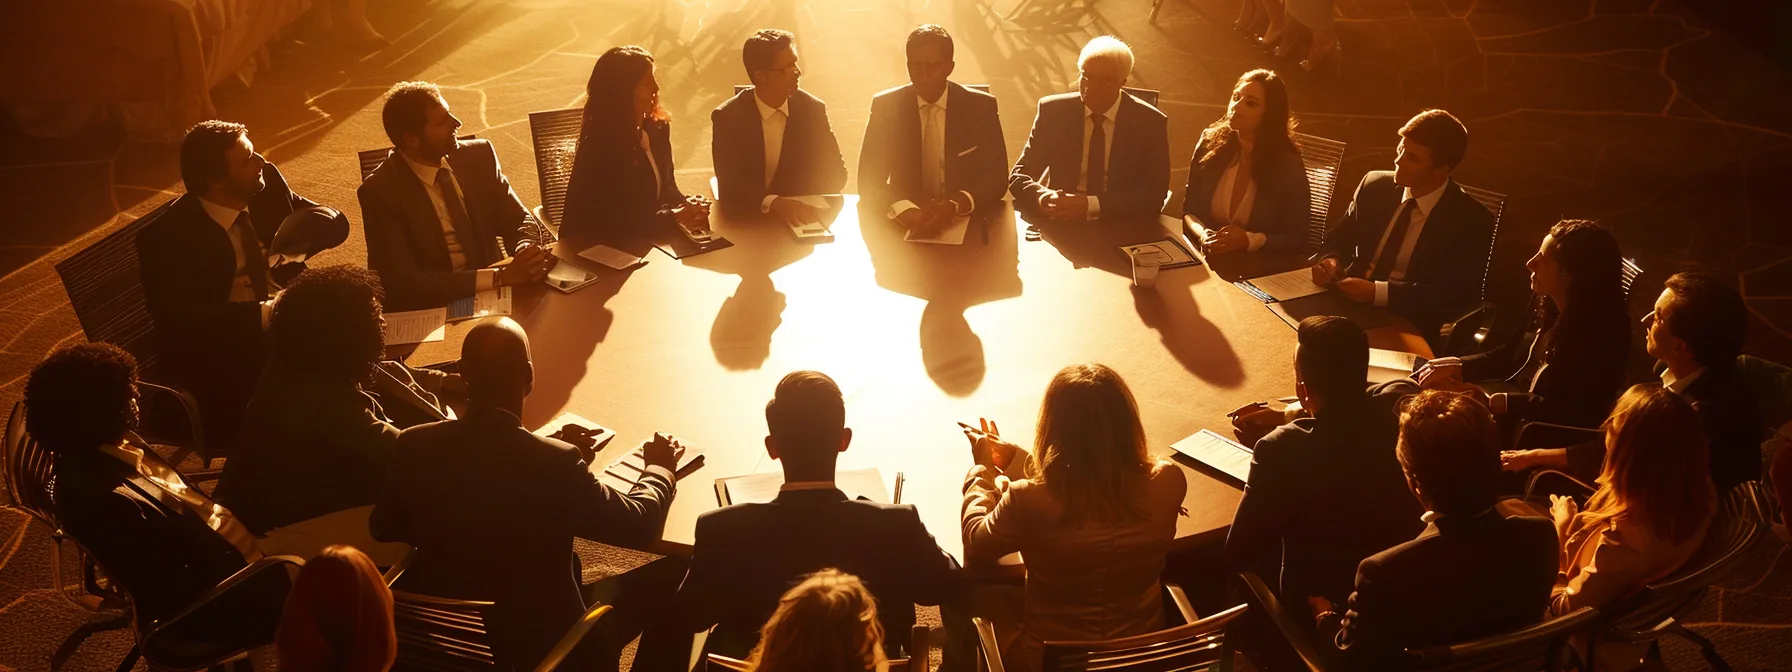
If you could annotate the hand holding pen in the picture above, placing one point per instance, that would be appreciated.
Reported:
(987, 446)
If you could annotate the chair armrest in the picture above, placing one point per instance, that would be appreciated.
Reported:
(191, 436)
(544, 231)
(1468, 334)
(572, 638)
(992, 649)
(1180, 597)
(1284, 622)
(239, 578)
(398, 568)
(918, 648)
(1530, 484)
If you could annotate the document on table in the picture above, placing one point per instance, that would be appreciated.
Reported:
(1219, 452)
(612, 257)
(1169, 253)
(1290, 285)
(1386, 365)
(416, 326)
(626, 470)
(483, 304)
(951, 235)
(821, 231)
(762, 488)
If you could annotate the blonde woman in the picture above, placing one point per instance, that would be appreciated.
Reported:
(827, 623)
(1091, 513)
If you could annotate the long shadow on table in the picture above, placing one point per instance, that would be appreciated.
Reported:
(742, 334)
(566, 334)
(951, 279)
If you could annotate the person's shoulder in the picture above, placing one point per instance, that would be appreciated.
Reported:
(730, 520)
(180, 212)
(892, 95)
(477, 149)
(382, 175)
(974, 96)
(741, 100)
(1468, 206)
(1285, 442)
(1168, 476)
(1379, 179)
(1531, 529)
(1150, 111)
(1061, 100)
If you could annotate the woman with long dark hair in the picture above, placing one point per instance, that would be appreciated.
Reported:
(621, 187)
(338, 617)
(1247, 188)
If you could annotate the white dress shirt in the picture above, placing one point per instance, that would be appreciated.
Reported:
(1224, 215)
(1678, 384)
(242, 288)
(806, 485)
(933, 155)
(647, 147)
(771, 127)
(1107, 136)
(486, 278)
(1420, 214)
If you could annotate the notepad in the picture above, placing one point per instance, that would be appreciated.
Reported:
(623, 473)
(1169, 253)
(951, 235)
(1208, 447)
(1286, 286)
(1386, 365)
(761, 488)
(483, 304)
(416, 326)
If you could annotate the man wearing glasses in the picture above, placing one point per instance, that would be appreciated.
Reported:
(1107, 152)
(772, 141)
(933, 150)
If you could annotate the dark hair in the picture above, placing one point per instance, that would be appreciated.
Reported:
(202, 153)
(762, 47)
(80, 397)
(1710, 316)
(1442, 133)
(1274, 133)
(930, 32)
(1333, 357)
(327, 323)
(1089, 447)
(407, 109)
(1596, 320)
(610, 101)
(806, 414)
(338, 616)
(1450, 445)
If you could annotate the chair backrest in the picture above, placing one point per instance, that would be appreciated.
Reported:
(1628, 273)
(26, 470)
(1147, 95)
(1323, 158)
(371, 159)
(917, 661)
(105, 287)
(1679, 592)
(555, 134)
(1539, 647)
(1496, 204)
(1193, 646)
(441, 634)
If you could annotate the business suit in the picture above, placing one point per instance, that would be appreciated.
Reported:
(1461, 579)
(618, 196)
(1324, 493)
(745, 556)
(210, 345)
(1443, 277)
(1726, 409)
(405, 243)
(1138, 172)
(976, 158)
(809, 162)
(1278, 209)
(1571, 384)
(492, 511)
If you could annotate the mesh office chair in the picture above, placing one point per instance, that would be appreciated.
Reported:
(1323, 158)
(917, 660)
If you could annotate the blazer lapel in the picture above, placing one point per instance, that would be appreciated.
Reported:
(1069, 171)
(792, 149)
(420, 213)
(1120, 151)
(958, 134)
(910, 135)
(1436, 232)
(752, 126)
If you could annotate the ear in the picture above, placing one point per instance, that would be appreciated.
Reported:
(1300, 391)
(845, 438)
(528, 378)
(771, 447)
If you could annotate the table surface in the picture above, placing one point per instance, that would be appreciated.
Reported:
(918, 336)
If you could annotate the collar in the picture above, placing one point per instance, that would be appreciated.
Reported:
(124, 452)
(1428, 201)
(765, 111)
(807, 485)
(224, 216)
(1433, 516)
(1678, 384)
(424, 171)
(1107, 113)
(921, 103)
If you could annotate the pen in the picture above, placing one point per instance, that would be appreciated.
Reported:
(969, 428)
(897, 499)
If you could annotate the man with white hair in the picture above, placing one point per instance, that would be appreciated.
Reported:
(1107, 153)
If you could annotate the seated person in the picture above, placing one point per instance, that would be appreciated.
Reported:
(493, 509)
(827, 622)
(1090, 511)
(772, 141)
(1325, 491)
(439, 214)
(1650, 514)
(339, 618)
(1574, 370)
(165, 543)
(1472, 572)
(204, 265)
(1107, 151)
(622, 186)
(1412, 240)
(1247, 186)
(316, 441)
(745, 555)
(924, 173)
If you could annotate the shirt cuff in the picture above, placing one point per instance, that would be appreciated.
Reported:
(765, 206)
(267, 313)
(1257, 240)
(1094, 208)
(484, 279)
(662, 472)
(1381, 293)
(970, 201)
(902, 206)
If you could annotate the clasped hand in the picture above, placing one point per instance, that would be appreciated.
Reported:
(1064, 205)
(1325, 274)
(693, 214)
(1228, 238)
(530, 264)
(929, 217)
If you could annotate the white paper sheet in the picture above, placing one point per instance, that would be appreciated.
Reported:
(1290, 285)
(416, 326)
(612, 257)
(1219, 452)
(951, 235)
(1386, 365)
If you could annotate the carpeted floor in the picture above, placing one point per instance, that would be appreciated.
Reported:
(1641, 113)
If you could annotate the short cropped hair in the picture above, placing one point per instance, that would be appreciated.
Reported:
(202, 153)
(407, 109)
(327, 323)
(1333, 358)
(80, 397)
(931, 33)
(1109, 48)
(1450, 444)
(1710, 316)
(806, 414)
(1442, 133)
(762, 47)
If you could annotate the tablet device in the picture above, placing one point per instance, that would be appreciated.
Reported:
(567, 277)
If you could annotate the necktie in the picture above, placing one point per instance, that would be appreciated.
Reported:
(250, 260)
(463, 240)
(1098, 157)
(933, 151)
(1390, 249)
(774, 144)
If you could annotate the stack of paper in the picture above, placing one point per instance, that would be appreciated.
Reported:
(1386, 365)
(1290, 285)
(1208, 447)
(416, 326)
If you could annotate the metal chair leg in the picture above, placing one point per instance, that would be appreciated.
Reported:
(75, 639)
(130, 660)
(1706, 648)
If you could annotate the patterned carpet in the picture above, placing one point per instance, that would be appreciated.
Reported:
(1642, 113)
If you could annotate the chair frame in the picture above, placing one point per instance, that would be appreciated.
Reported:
(23, 458)
(989, 652)
(470, 614)
(145, 638)
(1323, 159)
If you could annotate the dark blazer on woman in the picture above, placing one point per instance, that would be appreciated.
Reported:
(1278, 210)
(1573, 385)
(613, 196)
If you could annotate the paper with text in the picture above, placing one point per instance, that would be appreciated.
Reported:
(1290, 285)
(416, 326)
(1219, 452)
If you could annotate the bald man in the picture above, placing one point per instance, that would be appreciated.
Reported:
(493, 509)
